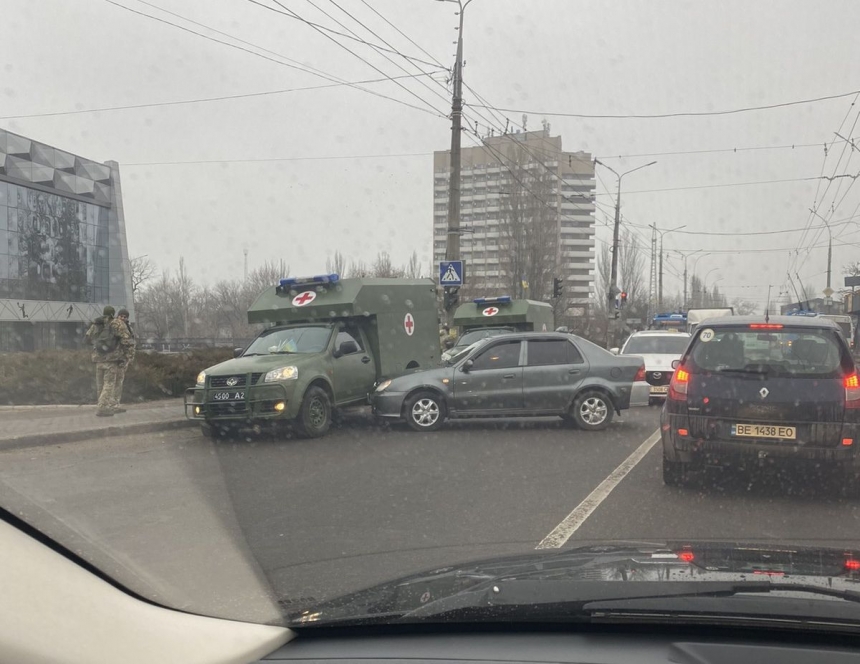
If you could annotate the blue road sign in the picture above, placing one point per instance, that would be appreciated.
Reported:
(451, 273)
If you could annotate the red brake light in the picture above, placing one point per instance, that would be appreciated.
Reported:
(678, 384)
(765, 326)
(852, 564)
(640, 375)
(687, 556)
(851, 382)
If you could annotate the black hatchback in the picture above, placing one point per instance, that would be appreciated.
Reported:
(749, 390)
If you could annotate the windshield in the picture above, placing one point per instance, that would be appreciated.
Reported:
(311, 339)
(656, 345)
(248, 248)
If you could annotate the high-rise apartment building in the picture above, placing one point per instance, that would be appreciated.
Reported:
(526, 216)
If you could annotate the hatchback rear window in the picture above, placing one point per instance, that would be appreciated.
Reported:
(800, 352)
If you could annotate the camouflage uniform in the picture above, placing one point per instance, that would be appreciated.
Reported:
(129, 347)
(108, 364)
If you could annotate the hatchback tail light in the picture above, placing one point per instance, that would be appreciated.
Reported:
(640, 375)
(852, 390)
(678, 384)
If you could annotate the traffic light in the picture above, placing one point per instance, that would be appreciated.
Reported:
(557, 287)
(623, 298)
(452, 298)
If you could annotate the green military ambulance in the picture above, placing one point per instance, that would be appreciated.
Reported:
(488, 316)
(329, 341)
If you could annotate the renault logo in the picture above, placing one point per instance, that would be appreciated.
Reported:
(232, 381)
(763, 392)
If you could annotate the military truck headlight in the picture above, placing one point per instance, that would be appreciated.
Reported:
(282, 373)
(201, 378)
(383, 385)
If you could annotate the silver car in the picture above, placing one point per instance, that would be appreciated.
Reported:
(519, 374)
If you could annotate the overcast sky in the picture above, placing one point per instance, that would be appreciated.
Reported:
(297, 175)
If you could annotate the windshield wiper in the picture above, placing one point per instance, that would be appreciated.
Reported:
(534, 600)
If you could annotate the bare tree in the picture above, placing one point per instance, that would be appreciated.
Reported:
(528, 227)
(744, 307)
(336, 264)
(413, 267)
(631, 269)
(142, 270)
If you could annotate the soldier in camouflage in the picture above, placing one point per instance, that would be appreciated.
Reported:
(129, 349)
(108, 362)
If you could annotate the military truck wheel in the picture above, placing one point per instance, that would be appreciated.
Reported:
(314, 418)
(424, 411)
(592, 411)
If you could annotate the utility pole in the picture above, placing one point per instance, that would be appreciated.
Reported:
(452, 246)
(613, 276)
(685, 257)
(452, 250)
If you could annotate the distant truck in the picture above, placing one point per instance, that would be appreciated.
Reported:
(696, 316)
(843, 321)
(489, 316)
(330, 341)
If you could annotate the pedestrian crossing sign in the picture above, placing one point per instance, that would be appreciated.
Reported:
(451, 273)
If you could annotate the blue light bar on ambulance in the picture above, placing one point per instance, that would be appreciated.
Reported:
(317, 279)
(802, 312)
(502, 299)
(667, 317)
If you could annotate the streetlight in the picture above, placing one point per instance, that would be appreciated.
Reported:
(660, 278)
(613, 277)
(685, 256)
(705, 284)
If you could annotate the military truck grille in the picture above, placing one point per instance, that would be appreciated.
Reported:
(221, 381)
(659, 377)
(221, 409)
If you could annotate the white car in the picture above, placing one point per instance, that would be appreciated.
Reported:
(658, 348)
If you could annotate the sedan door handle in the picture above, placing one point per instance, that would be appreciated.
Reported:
(573, 371)
(365, 359)
(509, 376)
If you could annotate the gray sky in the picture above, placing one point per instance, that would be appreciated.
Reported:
(545, 56)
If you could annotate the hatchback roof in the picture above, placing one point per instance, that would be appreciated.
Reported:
(787, 321)
(660, 333)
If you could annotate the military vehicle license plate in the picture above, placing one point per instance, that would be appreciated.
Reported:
(228, 396)
(763, 431)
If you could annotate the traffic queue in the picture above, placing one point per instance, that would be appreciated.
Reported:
(330, 344)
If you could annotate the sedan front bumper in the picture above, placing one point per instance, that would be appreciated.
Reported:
(387, 404)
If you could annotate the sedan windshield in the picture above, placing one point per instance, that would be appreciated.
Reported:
(656, 345)
(311, 339)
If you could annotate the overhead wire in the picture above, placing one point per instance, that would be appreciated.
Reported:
(283, 61)
(682, 114)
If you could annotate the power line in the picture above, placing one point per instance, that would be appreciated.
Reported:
(274, 159)
(794, 146)
(210, 99)
(717, 186)
(679, 114)
(291, 14)
(308, 70)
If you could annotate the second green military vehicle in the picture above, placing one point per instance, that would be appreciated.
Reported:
(489, 316)
(329, 342)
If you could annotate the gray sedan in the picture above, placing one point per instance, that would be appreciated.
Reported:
(521, 374)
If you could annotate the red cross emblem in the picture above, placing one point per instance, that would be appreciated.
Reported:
(304, 298)
(490, 311)
(409, 324)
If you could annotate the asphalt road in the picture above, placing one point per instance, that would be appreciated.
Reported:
(176, 516)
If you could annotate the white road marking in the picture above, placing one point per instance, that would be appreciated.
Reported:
(571, 523)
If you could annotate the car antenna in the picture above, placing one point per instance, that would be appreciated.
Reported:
(767, 306)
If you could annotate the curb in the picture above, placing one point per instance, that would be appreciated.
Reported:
(42, 439)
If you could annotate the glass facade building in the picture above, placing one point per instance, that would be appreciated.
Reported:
(63, 252)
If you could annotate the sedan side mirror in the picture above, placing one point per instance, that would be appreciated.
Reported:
(346, 348)
(614, 351)
(676, 364)
(237, 352)
(467, 365)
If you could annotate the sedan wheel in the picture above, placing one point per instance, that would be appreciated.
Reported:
(424, 411)
(592, 411)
